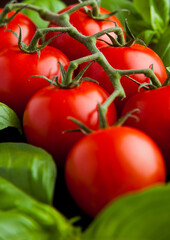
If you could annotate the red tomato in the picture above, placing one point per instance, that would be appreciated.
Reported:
(85, 25)
(8, 39)
(15, 69)
(45, 117)
(124, 58)
(109, 163)
(154, 117)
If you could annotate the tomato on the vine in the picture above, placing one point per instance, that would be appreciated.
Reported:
(125, 58)
(109, 163)
(28, 28)
(46, 116)
(16, 67)
(87, 26)
(153, 117)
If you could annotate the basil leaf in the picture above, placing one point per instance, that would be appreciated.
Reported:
(144, 215)
(162, 48)
(154, 12)
(22, 217)
(30, 168)
(160, 14)
(8, 118)
(148, 19)
(143, 8)
(113, 5)
(52, 5)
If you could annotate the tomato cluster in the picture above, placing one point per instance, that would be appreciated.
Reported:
(106, 163)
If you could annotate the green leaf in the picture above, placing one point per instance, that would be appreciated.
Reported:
(52, 5)
(29, 168)
(162, 48)
(141, 216)
(154, 12)
(22, 217)
(143, 8)
(114, 5)
(147, 36)
(159, 14)
(8, 118)
(147, 19)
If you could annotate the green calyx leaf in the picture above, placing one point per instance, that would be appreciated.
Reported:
(29, 168)
(4, 20)
(123, 119)
(8, 118)
(114, 42)
(79, 76)
(146, 86)
(82, 128)
(102, 17)
(67, 82)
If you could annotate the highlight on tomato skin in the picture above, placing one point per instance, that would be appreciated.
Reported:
(28, 28)
(153, 117)
(46, 116)
(16, 68)
(86, 26)
(109, 163)
(136, 56)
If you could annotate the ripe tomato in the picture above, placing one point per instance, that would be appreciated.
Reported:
(45, 116)
(17, 66)
(85, 25)
(8, 39)
(109, 163)
(124, 58)
(153, 117)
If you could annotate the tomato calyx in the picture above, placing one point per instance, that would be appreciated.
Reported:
(102, 110)
(34, 45)
(94, 13)
(123, 119)
(4, 20)
(65, 82)
(102, 121)
(118, 43)
(151, 85)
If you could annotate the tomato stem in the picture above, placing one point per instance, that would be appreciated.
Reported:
(147, 72)
(123, 119)
(89, 41)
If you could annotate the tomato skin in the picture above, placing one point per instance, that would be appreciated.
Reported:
(45, 117)
(28, 28)
(124, 58)
(109, 163)
(16, 67)
(153, 117)
(85, 25)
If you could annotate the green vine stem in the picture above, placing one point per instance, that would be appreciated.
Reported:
(89, 41)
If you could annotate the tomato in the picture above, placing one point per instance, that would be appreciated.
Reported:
(125, 58)
(153, 117)
(16, 67)
(46, 116)
(86, 26)
(109, 163)
(8, 39)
